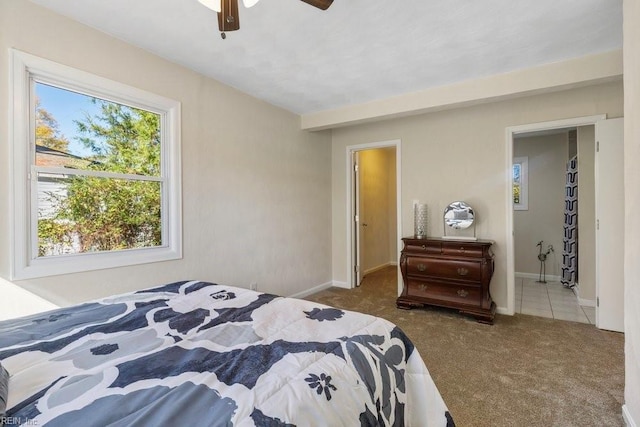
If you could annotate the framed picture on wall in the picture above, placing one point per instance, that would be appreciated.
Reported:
(520, 179)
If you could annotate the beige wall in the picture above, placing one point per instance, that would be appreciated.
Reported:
(544, 220)
(460, 154)
(256, 189)
(632, 207)
(378, 207)
(586, 214)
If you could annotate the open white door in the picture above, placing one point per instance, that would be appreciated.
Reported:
(357, 273)
(610, 224)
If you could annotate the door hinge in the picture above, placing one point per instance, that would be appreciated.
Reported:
(355, 167)
(597, 301)
(597, 146)
(356, 268)
(356, 218)
(597, 224)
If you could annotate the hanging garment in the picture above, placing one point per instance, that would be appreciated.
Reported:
(570, 242)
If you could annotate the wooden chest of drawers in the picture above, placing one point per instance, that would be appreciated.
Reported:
(448, 273)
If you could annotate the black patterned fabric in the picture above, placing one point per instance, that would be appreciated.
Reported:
(570, 241)
(4, 390)
(200, 354)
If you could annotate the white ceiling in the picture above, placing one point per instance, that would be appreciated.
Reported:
(306, 60)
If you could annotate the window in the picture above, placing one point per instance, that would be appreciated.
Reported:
(96, 172)
(521, 183)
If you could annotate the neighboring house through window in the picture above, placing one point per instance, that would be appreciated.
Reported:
(96, 172)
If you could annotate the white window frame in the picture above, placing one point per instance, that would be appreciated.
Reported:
(25, 264)
(524, 183)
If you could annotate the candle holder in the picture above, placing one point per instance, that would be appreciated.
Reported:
(420, 221)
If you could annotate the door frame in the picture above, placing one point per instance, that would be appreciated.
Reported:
(357, 213)
(351, 149)
(510, 132)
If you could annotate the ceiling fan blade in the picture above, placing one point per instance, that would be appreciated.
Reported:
(228, 17)
(320, 4)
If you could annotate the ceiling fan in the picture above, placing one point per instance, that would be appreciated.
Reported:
(229, 19)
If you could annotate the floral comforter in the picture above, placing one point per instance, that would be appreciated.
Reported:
(200, 354)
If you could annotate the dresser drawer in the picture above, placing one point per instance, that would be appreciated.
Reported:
(422, 246)
(462, 294)
(461, 249)
(444, 268)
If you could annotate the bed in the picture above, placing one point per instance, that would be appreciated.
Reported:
(202, 354)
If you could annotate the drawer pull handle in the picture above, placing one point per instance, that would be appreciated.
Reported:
(422, 267)
(461, 249)
(462, 293)
(424, 247)
(423, 287)
(463, 271)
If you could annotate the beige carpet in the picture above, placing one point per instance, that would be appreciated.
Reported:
(522, 371)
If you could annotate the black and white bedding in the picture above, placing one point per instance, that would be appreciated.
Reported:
(199, 354)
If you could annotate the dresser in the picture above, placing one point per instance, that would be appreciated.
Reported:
(448, 273)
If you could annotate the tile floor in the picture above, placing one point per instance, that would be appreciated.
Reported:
(552, 300)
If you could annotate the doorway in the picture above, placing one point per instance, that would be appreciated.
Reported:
(373, 208)
(609, 313)
(554, 223)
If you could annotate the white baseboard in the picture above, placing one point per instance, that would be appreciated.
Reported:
(502, 310)
(583, 301)
(313, 290)
(548, 277)
(339, 284)
(627, 417)
(379, 267)
(586, 302)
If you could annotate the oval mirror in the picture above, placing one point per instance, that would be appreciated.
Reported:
(459, 215)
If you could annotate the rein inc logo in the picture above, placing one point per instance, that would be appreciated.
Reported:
(17, 421)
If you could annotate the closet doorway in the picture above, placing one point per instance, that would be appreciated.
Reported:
(373, 205)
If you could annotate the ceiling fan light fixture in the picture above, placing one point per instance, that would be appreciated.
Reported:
(249, 3)
(229, 18)
(215, 4)
(212, 4)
